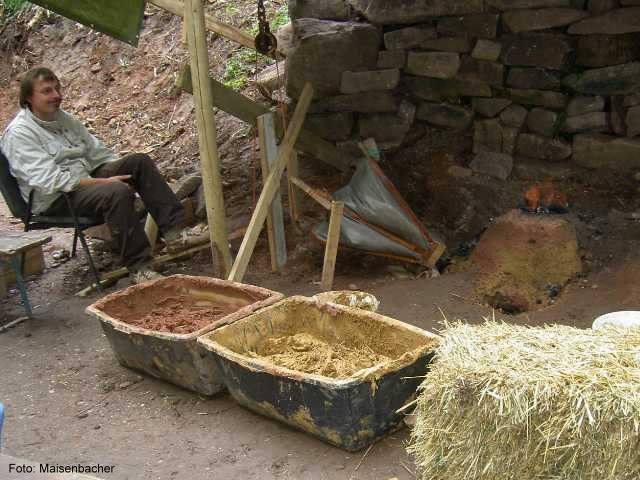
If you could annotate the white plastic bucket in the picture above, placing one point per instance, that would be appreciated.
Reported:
(622, 319)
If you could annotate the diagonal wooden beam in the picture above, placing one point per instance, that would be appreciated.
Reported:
(245, 109)
(271, 186)
(211, 23)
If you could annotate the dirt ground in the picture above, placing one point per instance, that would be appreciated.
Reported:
(68, 400)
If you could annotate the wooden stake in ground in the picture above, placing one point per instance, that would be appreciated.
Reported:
(331, 249)
(151, 229)
(271, 185)
(275, 218)
(216, 216)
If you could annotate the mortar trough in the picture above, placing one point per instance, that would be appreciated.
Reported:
(349, 409)
(153, 327)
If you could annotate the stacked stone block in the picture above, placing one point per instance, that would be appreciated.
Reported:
(546, 80)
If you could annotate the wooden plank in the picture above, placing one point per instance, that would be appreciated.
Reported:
(245, 109)
(271, 185)
(312, 192)
(211, 23)
(205, 120)
(295, 199)
(331, 249)
(264, 165)
(117, 18)
(275, 218)
(12, 243)
(32, 264)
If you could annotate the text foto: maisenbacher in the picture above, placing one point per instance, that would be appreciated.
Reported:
(53, 468)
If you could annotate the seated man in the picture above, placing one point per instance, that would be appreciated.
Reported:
(51, 152)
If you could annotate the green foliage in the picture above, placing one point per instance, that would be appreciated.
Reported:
(280, 18)
(242, 67)
(231, 10)
(11, 7)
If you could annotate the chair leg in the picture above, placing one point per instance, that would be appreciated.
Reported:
(75, 243)
(23, 260)
(83, 241)
(21, 285)
(85, 247)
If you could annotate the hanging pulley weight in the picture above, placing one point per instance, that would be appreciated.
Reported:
(265, 41)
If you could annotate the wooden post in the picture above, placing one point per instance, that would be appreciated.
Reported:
(151, 229)
(293, 170)
(331, 249)
(205, 120)
(275, 218)
(183, 35)
(271, 185)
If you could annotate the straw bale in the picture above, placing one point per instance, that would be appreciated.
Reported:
(512, 402)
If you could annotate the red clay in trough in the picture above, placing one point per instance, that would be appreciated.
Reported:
(153, 327)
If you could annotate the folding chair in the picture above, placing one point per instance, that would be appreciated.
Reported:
(22, 210)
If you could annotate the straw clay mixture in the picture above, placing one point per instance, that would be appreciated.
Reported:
(308, 354)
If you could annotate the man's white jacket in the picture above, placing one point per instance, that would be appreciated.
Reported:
(51, 157)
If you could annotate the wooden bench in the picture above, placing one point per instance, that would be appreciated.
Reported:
(13, 245)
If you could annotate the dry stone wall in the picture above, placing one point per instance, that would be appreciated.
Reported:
(548, 80)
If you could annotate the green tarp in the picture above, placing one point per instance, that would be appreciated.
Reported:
(121, 19)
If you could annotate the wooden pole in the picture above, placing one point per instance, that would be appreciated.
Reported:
(205, 120)
(271, 185)
(275, 218)
(331, 249)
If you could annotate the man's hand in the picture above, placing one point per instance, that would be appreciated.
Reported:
(95, 181)
(117, 178)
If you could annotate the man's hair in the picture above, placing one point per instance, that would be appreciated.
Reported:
(28, 81)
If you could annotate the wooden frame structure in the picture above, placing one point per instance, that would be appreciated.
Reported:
(208, 93)
(271, 185)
